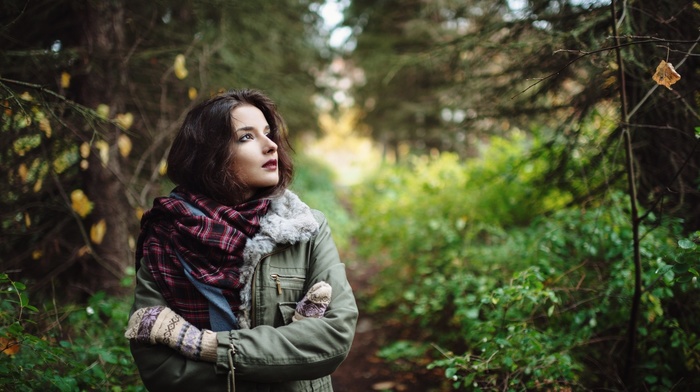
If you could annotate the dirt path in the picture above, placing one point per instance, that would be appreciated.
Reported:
(363, 370)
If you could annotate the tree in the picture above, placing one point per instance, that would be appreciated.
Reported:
(93, 93)
(447, 74)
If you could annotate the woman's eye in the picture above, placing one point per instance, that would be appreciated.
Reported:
(245, 137)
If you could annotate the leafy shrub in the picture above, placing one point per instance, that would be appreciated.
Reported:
(69, 349)
(519, 297)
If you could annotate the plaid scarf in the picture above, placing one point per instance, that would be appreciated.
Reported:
(211, 244)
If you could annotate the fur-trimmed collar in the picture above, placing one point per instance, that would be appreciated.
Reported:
(287, 221)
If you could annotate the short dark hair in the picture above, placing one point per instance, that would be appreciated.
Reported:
(200, 158)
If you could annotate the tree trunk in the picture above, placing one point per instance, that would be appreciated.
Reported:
(105, 82)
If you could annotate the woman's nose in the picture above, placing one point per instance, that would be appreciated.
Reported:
(270, 147)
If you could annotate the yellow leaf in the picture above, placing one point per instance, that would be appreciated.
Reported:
(666, 75)
(192, 93)
(65, 80)
(80, 203)
(22, 171)
(84, 164)
(97, 231)
(45, 126)
(84, 150)
(163, 167)
(37, 254)
(179, 66)
(37, 185)
(124, 144)
(26, 96)
(27, 220)
(139, 213)
(103, 111)
(125, 120)
(103, 149)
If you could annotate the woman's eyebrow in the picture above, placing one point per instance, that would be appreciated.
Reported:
(250, 128)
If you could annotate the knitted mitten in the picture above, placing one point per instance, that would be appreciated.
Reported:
(315, 302)
(159, 324)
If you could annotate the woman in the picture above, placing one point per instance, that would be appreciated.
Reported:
(227, 258)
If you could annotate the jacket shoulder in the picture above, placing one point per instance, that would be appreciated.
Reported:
(319, 216)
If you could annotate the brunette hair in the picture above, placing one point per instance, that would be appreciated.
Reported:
(200, 158)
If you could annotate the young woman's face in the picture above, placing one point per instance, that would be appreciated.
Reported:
(255, 155)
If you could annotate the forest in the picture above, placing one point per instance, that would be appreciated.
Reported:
(513, 185)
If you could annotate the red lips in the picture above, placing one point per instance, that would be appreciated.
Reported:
(271, 164)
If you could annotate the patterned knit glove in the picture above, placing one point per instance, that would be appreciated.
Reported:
(315, 302)
(159, 324)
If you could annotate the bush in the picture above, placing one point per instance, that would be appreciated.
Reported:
(518, 297)
(68, 349)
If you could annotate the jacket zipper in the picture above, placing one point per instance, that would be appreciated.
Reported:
(252, 286)
(278, 280)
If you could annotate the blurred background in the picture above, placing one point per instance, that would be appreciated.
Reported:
(513, 184)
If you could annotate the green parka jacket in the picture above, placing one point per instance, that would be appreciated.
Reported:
(292, 251)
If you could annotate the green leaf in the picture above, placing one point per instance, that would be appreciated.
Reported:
(686, 244)
(23, 300)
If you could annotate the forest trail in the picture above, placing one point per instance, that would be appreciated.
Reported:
(363, 370)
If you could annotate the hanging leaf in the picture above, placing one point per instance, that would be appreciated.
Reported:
(26, 143)
(65, 80)
(666, 75)
(103, 149)
(65, 160)
(37, 185)
(192, 93)
(84, 150)
(22, 120)
(22, 171)
(45, 127)
(102, 111)
(84, 164)
(80, 203)
(37, 254)
(163, 167)
(179, 67)
(97, 231)
(26, 96)
(124, 144)
(27, 220)
(125, 120)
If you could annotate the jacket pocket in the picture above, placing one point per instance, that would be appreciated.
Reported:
(287, 311)
(285, 282)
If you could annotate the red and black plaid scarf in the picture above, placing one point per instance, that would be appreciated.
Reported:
(212, 245)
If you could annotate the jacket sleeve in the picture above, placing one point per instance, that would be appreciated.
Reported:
(162, 368)
(310, 348)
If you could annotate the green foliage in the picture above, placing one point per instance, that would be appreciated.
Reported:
(69, 349)
(314, 183)
(518, 291)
